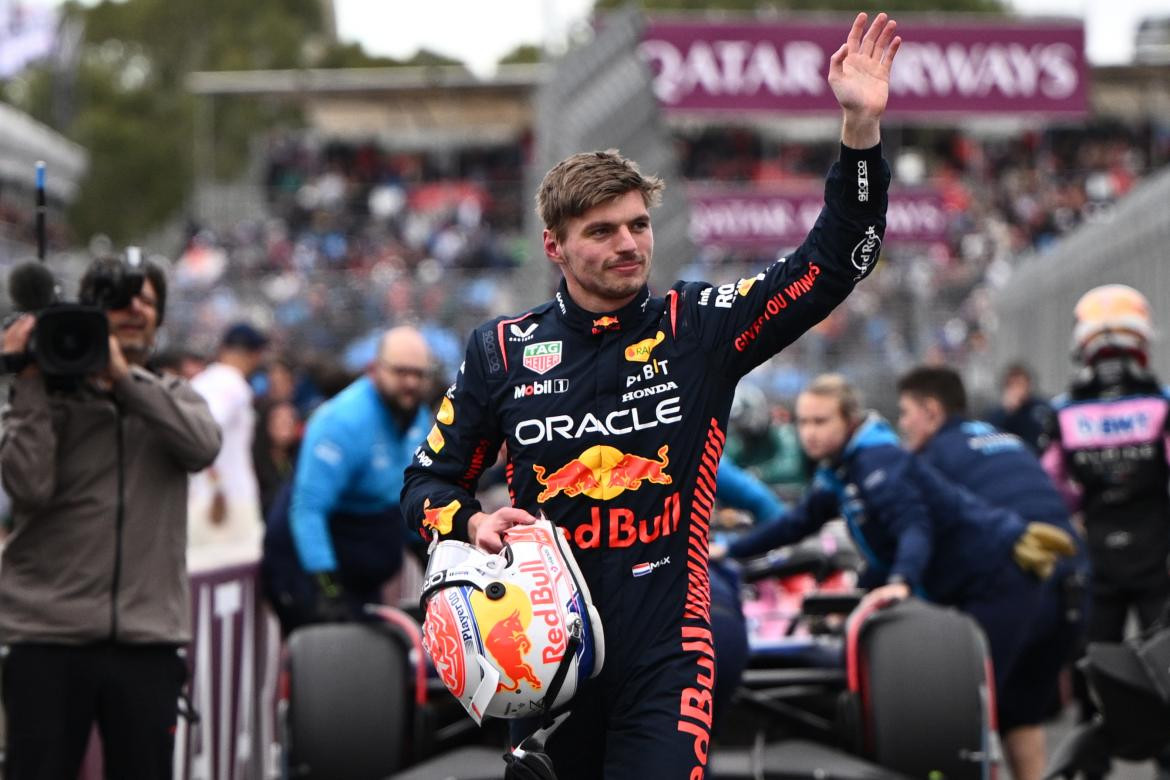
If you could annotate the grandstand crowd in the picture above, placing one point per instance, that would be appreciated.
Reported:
(359, 236)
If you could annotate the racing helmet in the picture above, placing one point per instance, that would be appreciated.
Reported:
(1112, 318)
(513, 634)
(750, 412)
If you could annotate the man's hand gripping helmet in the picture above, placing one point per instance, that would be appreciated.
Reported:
(1111, 319)
(514, 634)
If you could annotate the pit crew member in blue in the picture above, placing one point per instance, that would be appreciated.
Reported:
(335, 538)
(918, 531)
(1001, 469)
(613, 403)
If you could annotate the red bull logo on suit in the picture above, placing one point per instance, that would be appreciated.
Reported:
(603, 472)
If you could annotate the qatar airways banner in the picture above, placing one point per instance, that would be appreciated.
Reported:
(773, 220)
(954, 67)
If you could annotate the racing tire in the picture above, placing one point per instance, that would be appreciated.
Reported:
(927, 694)
(348, 703)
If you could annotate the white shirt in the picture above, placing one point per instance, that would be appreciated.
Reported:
(233, 475)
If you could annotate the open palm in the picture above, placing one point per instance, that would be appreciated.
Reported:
(859, 71)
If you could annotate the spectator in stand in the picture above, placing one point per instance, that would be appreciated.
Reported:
(274, 448)
(1021, 411)
(225, 498)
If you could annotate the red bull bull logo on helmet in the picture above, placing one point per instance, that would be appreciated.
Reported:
(603, 472)
(504, 623)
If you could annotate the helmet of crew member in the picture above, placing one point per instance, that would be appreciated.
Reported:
(750, 413)
(513, 634)
(1111, 319)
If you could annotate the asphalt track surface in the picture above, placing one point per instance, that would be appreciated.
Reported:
(478, 763)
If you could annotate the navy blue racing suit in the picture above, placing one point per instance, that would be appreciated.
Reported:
(614, 424)
(1002, 470)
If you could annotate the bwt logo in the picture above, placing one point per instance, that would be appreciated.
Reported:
(543, 387)
(1114, 426)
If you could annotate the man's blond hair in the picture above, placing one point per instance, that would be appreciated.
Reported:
(587, 179)
(842, 391)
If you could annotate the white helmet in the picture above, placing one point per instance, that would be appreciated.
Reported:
(750, 412)
(1111, 318)
(506, 631)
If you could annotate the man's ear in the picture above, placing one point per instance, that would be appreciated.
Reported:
(935, 409)
(552, 247)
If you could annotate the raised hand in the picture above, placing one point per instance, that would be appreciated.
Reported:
(859, 74)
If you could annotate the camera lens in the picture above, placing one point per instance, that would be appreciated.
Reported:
(70, 346)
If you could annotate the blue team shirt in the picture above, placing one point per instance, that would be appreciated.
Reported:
(998, 467)
(904, 516)
(352, 461)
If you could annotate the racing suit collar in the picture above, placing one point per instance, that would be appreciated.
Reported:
(874, 431)
(596, 323)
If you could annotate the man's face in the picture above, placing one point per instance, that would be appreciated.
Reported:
(605, 254)
(134, 326)
(1016, 389)
(918, 420)
(401, 377)
(822, 428)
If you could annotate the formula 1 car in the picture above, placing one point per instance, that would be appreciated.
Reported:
(1130, 682)
(830, 692)
(901, 691)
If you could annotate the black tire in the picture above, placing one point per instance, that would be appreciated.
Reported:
(925, 705)
(349, 703)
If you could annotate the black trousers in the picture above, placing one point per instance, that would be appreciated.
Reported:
(54, 694)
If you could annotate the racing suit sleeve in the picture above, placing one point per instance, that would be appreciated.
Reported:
(28, 447)
(329, 455)
(737, 488)
(744, 323)
(1052, 460)
(815, 509)
(438, 493)
(176, 413)
(892, 497)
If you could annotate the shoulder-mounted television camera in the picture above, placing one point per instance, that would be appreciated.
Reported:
(71, 339)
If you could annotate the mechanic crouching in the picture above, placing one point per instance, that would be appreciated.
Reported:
(1001, 469)
(919, 533)
(338, 538)
(93, 584)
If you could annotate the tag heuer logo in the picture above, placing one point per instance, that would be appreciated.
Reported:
(542, 356)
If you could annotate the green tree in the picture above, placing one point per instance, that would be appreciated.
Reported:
(131, 108)
(524, 54)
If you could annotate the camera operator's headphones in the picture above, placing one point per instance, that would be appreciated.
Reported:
(515, 634)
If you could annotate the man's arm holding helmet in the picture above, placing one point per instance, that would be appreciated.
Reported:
(438, 494)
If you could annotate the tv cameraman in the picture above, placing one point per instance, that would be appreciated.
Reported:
(93, 580)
